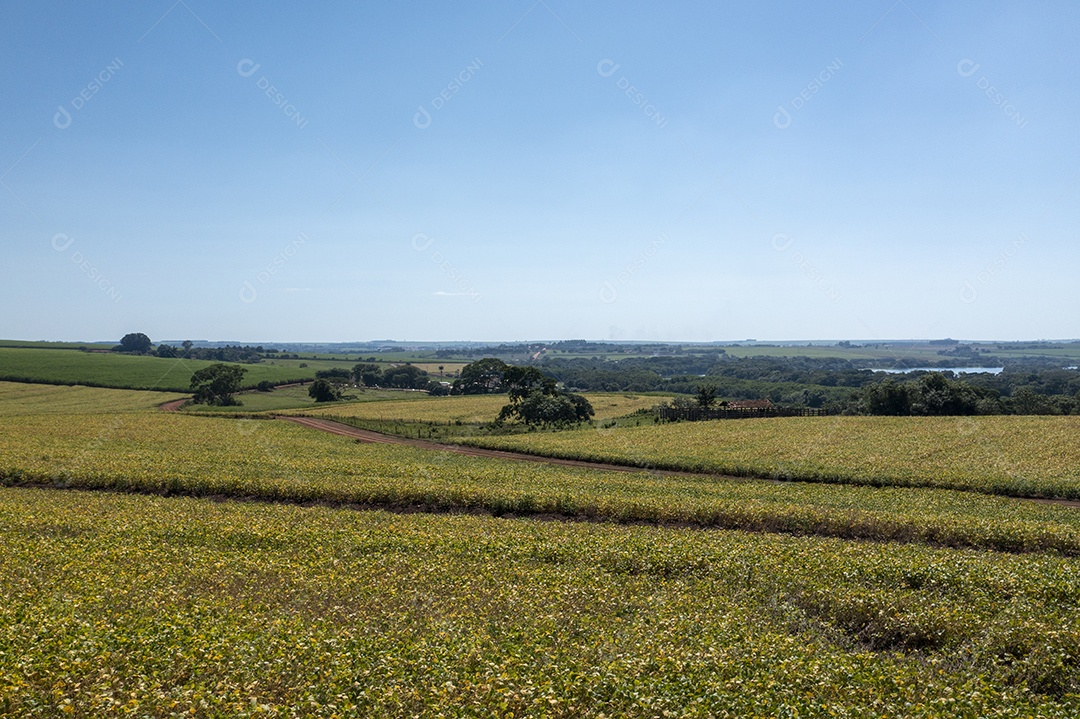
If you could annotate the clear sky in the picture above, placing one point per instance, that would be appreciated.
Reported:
(539, 169)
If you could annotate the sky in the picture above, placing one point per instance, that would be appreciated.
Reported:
(539, 169)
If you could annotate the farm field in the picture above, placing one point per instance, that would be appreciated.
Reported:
(470, 409)
(115, 604)
(18, 399)
(457, 603)
(1012, 455)
(94, 369)
(297, 398)
(176, 453)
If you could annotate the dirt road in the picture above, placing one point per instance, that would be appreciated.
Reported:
(364, 435)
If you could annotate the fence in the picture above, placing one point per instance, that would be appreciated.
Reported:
(696, 414)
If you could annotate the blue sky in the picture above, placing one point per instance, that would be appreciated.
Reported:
(546, 169)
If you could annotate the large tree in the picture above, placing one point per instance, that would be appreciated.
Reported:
(536, 399)
(217, 384)
(135, 342)
(322, 391)
(483, 376)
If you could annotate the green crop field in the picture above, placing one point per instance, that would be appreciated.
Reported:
(840, 601)
(148, 606)
(477, 408)
(99, 369)
(277, 460)
(1013, 455)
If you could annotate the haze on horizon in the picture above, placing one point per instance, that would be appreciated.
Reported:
(522, 170)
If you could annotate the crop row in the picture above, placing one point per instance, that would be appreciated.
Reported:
(472, 409)
(279, 461)
(1009, 455)
(121, 605)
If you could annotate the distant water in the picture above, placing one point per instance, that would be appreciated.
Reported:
(957, 370)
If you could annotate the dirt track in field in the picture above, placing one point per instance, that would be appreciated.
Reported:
(368, 436)
(364, 435)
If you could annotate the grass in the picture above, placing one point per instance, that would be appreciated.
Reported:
(148, 606)
(1025, 456)
(94, 369)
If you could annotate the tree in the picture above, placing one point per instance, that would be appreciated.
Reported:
(322, 391)
(166, 351)
(406, 377)
(887, 398)
(484, 376)
(520, 382)
(217, 384)
(369, 375)
(334, 375)
(538, 408)
(706, 396)
(135, 343)
(437, 389)
(536, 399)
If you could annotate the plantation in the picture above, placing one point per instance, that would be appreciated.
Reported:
(99, 369)
(961, 604)
(472, 409)
(276, 460)
(114, 605)
(1010, 455)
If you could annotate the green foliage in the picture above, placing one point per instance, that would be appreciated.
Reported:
(1018, 456)
(369, 375)
(322, 391)
(154, 606)
(135, 343)
(484, 376)
(706, 396)
(536, 400)
(405, 376)
(121, 371)
(217, 384)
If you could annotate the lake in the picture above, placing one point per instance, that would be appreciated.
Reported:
(957, 370)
